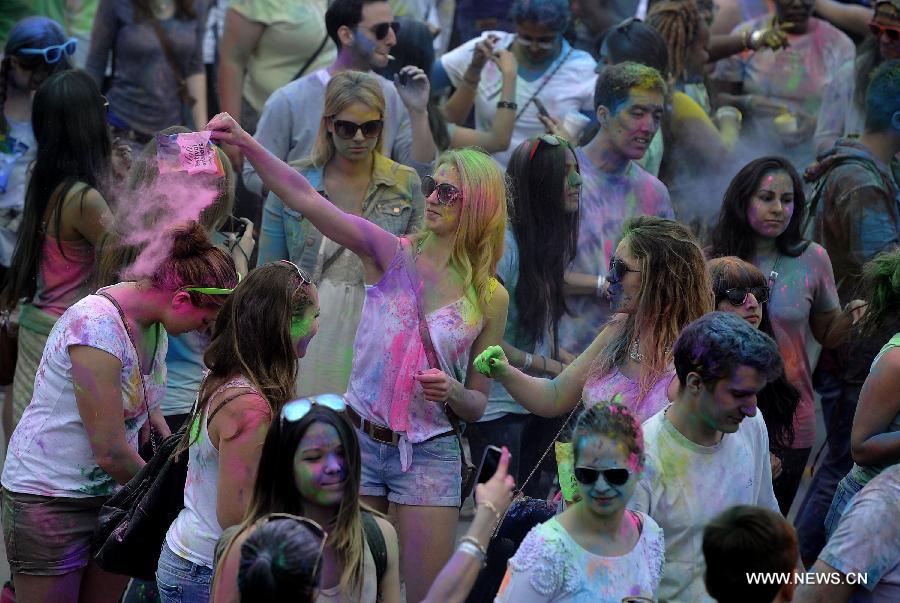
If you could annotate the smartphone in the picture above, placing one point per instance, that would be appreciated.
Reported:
(490, 460)
(540, 107)
(403, 78)
(235, 225)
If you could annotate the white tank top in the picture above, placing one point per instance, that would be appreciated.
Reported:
(194, 533)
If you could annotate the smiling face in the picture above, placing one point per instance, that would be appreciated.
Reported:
(444, 219)
(730, 400)
(572, 186)
(601, 452)
(887, 16)
(305, 327)
(772, 205)
(630, 127)
(363, 41)
(320, 468)
(359, 147)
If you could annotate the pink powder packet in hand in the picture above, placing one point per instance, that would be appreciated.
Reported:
(190, 152)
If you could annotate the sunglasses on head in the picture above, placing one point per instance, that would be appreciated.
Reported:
(300, 272)
(893, 33)
(316, 529)
(348, 129)
(297, 409)
(614, 477)
(52, 54)
(550, 139)
(617, 269)
(447, 194)
(736, 296)
(381, 29)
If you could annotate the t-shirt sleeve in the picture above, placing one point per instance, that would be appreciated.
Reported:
(540, 571)
(826, 296)
(96, 327)
(863, 544)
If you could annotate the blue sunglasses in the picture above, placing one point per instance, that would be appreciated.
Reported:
(52, 54)
(297, 409)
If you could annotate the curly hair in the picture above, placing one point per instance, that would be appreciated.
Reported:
(614, 421)
(679, 23)
(674, 292)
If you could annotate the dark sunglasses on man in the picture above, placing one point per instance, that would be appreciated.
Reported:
(380, 30)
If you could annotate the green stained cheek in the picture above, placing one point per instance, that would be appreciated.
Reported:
(301, 326)
(573, 179)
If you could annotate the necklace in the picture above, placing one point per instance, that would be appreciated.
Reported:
(635, 353)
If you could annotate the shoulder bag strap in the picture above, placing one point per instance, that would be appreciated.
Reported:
(140, 369)
(172, 60)
(310, 60)
(544, 83)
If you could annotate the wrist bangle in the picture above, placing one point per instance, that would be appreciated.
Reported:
(470, 549)
(474, 542)
(490, 505)
(745, 40)
(507, 105)
(527, 364)
(601, 283)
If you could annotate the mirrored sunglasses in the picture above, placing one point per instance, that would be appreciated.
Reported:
(614, 477)
(447, 194)
(52, 54)
(347, 130)
(297, 409)
(737, 296)
(549, 139)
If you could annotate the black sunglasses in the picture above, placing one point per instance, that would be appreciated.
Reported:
(613, 477)
(617, 269)
(736, 296)
(447, 193)
(348, 129)
(381, 30)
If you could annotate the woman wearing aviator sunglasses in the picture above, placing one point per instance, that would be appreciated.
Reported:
(263, 328)
(348, 168)
(596, 550)
(310, 466)
(397, 397)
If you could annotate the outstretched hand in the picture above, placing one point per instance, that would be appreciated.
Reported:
(492, 362)
(415, 89)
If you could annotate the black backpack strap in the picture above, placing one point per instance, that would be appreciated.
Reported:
(376, 544)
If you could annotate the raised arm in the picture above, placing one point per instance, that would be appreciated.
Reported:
(498, 137)
(367, 240)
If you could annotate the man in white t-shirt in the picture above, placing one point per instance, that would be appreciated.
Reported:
(709, 449)
(862, 557)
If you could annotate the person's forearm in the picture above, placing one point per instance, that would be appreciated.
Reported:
(881, 449)
(580, 283)
(853, 18)
(158, 422)
(196, 85)
(121, 462)
(504, 119)
(539, 364)
(458, 577)
(459, 105)
(423, 148)
(468, 404)
(724, 46)
(534, 394)
(280, 178)
(740, 101)
(231, 84)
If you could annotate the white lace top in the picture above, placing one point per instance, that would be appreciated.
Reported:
(551, 566)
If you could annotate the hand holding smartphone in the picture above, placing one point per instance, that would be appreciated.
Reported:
(489, 462)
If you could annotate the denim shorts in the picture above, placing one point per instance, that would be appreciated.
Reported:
(433, 479)
(48, 536)
(181, 581)
(847, 488)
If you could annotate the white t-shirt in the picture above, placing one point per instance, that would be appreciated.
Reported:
(685, 485)
(867, 539)
(570, 89)
(49, 453)
(551, 566)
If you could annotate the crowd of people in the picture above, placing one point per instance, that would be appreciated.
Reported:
(340, 253)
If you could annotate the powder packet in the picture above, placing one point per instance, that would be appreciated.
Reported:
(565, 468)
(190, 152)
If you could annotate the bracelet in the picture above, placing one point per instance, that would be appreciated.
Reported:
(528, 360)
(470, 549)
(507, 105)
(474, 542)
(601, 283)
(490, 505)
(746, 39)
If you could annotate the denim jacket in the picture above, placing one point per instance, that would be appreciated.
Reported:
(393, 201)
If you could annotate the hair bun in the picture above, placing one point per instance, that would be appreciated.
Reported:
(189, 240)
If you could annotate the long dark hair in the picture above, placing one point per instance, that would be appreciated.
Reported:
(276, 490)
(31, 32)
(733, 235)
(778, 400)
(546, 236)
(73, 146)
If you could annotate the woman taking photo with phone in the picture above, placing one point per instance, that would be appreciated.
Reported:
(346, 167)
(431, 306)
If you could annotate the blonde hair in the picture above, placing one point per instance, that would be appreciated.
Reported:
(675, 291)
(478, 244)
(343, 90)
